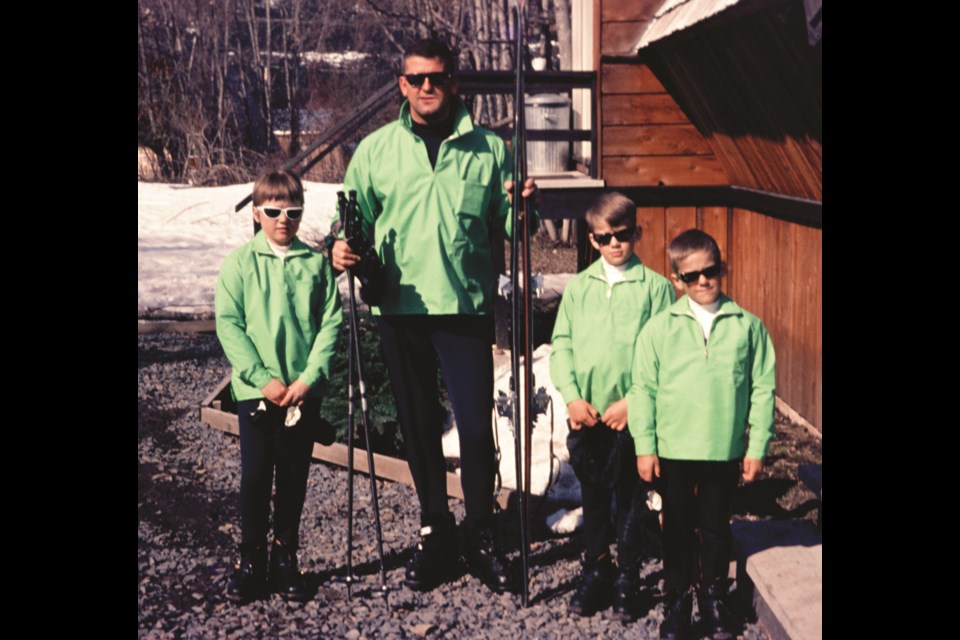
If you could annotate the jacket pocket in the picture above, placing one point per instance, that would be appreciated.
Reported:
(471, 213)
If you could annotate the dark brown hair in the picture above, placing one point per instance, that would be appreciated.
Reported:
(277, 185)
(691, 241)
(616, 209)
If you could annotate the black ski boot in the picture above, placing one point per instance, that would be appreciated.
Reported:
(485, 560)
(249, 578)
(677, 610)
(285, 576)
(626, 594)
(436, 558)
(716, 619)
(594, 592)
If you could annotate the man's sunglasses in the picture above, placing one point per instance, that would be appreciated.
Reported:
(292, 213)
(437, 79)
(710, 272)
(624, 235)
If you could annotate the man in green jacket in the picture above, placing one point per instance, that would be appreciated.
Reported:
(437, 186)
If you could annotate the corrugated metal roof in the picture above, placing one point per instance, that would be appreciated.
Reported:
(676, 15)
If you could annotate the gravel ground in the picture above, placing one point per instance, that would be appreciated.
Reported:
(188, 483)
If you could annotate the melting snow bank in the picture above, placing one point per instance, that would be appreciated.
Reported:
(184, 233)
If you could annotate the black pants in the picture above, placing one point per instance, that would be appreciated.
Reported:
(267, 445)
(606, 468)
(696, 494)
(413, 346)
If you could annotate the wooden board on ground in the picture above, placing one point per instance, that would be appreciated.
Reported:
(387, 467)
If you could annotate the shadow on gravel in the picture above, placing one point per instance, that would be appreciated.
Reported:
(148, 356)
(760, 499)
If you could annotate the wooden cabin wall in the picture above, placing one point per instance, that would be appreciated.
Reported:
(753, 88)
(775, 272)
(646, 139)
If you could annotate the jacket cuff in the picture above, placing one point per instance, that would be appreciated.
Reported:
(260, 378)
(569, 392)
(645, 444)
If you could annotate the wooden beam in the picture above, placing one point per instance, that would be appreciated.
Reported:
(387, 467)
(642, 109)
(629, 78)
(629, 171)
(655, 140)
(176, 326)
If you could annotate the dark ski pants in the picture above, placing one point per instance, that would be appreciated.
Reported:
(266, 445)
(413, 347)
(597, 521)
(696, 494)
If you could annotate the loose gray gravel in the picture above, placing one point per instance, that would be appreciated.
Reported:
(188, 483)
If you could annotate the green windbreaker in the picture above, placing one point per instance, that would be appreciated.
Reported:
(277, 318)
(597, 326)
(693, 401)
(433, 226)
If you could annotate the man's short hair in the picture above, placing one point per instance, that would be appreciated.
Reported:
(432, 48)
(691, 241)
(277, 185)
(616, 209)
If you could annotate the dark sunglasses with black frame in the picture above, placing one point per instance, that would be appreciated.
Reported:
(624, 235)
(689, 277)
(437, 79)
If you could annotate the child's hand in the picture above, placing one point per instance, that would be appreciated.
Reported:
(582, 414)
(648, 466)
(751, 468)
(295, 394)
(274, 391)
(615, 416)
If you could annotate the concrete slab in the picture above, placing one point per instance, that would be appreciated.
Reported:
(783, 561)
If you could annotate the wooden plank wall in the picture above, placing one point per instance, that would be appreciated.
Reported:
(646, 139)
(753, 88)
(775, 272)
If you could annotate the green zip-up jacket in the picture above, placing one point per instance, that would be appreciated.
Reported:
(277, 318)
(693, 401)
(596, 329)
(433, 226)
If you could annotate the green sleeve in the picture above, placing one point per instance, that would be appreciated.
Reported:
(318, 363)
(763, 379)
(664, 296)
(561, 355)
(358, 178)
(642, 397)
(232, 327)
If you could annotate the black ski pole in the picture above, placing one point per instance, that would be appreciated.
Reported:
(353, 214)
(349, 220)
(518, 321)
(342, 207)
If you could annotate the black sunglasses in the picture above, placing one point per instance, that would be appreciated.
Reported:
(624, 235)
(710, 272)
(437, 78)
(273, 212)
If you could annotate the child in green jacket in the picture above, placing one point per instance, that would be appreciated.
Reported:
(278, 314)
(703, 371)
(602, 311)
